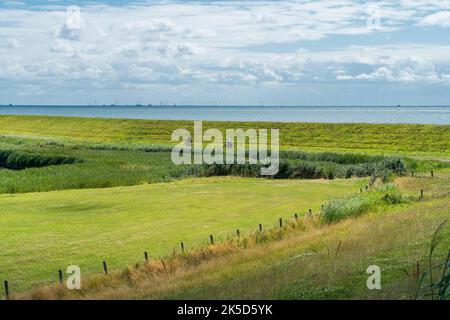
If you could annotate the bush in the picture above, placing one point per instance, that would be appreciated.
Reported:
(338, 209)
(391, 194)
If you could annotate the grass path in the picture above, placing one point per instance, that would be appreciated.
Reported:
(43, 232)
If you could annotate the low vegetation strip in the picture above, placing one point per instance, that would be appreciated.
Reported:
(425, 140)
(17, 160)
(101, 166)
(312, 167)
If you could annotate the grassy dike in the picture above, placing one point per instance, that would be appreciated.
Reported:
(411, 139)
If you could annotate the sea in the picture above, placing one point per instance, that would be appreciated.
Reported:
(330, 114)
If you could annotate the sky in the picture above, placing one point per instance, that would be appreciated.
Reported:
(330, 52)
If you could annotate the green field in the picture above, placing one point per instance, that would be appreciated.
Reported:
(43, 232)
(90, 190)
(306, 260)
(319, 263)
(420, 140)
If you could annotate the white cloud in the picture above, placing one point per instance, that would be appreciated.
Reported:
(221, 42)
(70, 33)
(441, 19)
(151, 25)
(173, 50)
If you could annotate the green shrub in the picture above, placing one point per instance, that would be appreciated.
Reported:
(391, 194)
(338, 209)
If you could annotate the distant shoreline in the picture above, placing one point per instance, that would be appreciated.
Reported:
(438, 115)
(213, 106)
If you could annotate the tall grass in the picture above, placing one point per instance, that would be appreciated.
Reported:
(12, 159)
(294, 165)
(437, 288)
(341, 158)
(338, 209)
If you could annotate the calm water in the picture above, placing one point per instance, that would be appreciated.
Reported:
(424, 115)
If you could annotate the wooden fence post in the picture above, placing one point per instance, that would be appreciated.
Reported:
(211, 238)
(7, 290)
(182, 246)
(281, 223)
(238, 233)
(421, 194)
(260, 227)
(60, 276)
(432, 173)
(105, 267)
(296, 216)
(146, 256)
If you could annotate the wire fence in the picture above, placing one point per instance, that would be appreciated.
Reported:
(112, 265)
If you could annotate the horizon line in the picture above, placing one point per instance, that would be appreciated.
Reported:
(218, 106)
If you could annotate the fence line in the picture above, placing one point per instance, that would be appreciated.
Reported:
(59, 276)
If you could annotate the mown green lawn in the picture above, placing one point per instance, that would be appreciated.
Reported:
(410, 139)
(43, 232)
(311, 261)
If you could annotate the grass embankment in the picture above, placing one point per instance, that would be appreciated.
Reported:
(43, 232)
(420, 140)
(312, 261)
